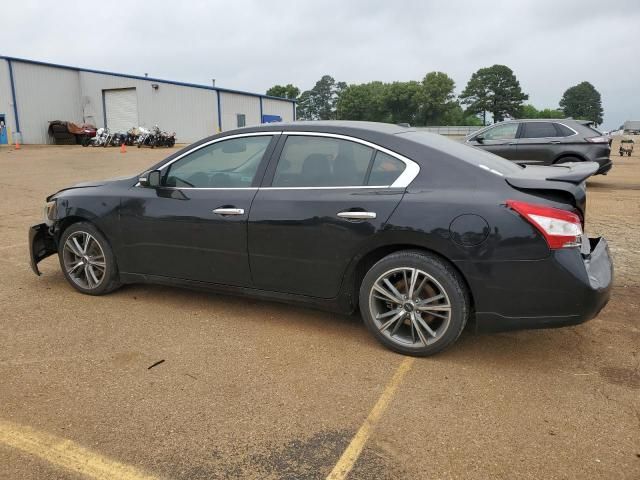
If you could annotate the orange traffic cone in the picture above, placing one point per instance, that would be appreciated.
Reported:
(123, 148)
(17, 145)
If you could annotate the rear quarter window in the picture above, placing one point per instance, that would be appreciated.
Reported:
(564, 130)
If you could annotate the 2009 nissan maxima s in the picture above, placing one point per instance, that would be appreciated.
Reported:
(419, 233)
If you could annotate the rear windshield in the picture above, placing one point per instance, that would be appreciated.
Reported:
(475, 156)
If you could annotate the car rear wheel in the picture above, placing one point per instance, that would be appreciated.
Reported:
(414, 303)
(87, 260)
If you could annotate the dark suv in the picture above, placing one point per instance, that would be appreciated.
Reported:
(545, 142)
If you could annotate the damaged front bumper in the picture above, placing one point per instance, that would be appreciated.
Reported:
(42, 244)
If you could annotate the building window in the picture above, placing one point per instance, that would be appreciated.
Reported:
(241, 119)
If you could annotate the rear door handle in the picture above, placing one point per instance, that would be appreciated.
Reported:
(357, 215)
(229, 211)
(555, 141)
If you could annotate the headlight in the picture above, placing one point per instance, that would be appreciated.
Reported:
(50, 210)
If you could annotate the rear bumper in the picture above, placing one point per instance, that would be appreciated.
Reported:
(568, 288)
(42, 244)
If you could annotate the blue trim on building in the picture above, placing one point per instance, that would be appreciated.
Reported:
(261, 114)
(13, 96)
(138, 77)
(219, 112)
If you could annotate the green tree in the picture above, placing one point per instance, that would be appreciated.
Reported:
(582, 101)
(435, 98)
(529, 111)
(319, 103)
(551, 113)
(496, 90)
(365, 101)
(457, 116)
(284, 91)
(400, 102)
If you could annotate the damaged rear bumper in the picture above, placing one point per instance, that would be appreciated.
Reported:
(42, 244)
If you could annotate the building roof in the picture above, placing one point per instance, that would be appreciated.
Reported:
(139, 77)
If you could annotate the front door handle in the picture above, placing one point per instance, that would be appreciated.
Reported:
(555, 142)
(229, 211)
(357, 215)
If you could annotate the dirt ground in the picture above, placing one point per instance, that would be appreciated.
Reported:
(252, 389)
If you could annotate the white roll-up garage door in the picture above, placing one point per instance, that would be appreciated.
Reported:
(121, 109)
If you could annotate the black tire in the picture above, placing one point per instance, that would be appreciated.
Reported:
(109, 280)
(628, 154)
(440, 275)
(562, 160)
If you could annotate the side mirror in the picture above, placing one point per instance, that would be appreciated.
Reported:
(150, 179)
(479, 139)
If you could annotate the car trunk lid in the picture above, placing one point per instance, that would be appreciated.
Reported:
(565, 183)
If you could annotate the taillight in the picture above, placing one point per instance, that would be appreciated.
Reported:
(559, 228)
(597, 139)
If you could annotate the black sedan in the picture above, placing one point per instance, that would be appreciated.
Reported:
(419, 233)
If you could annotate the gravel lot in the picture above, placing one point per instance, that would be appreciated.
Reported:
(251, 389)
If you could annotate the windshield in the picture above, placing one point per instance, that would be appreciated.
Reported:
(480, 158)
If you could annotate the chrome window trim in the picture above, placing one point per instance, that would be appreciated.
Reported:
(411, 171)
(517, 122)
(211, 142)
(206, 144)
(575, 132)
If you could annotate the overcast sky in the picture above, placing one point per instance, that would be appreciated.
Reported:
(252, 45)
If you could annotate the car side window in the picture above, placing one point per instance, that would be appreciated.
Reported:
(564, 131)
(539, 130)
(385, 170)
(501, 132)
(308, 161)
(229, 163)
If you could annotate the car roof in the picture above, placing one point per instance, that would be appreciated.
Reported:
(330, 125)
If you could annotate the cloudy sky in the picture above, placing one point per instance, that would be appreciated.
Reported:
(252, 45)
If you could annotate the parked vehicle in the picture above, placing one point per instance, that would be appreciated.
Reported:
(545, 142)
(626, 147)
(420, 233)
(101, 138)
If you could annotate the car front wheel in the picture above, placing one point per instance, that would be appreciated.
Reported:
(87, 260)
(414, 303)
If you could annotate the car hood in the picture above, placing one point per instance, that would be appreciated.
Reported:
(90, 184)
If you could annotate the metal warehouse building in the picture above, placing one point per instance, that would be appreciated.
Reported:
(34, 93)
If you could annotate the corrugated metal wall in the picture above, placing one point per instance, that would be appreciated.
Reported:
(44, 94)
(6, 101)
(47, 93)
(233, 104)
(190, 112)
(276, 107)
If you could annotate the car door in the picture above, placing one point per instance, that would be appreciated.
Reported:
(323, 196)
(538, 143)
(500, 139)
(194, 226)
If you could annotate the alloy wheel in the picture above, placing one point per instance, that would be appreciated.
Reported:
(410, 307)
(84, 260)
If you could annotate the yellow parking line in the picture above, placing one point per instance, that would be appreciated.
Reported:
(353, 451)
(65, 453)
